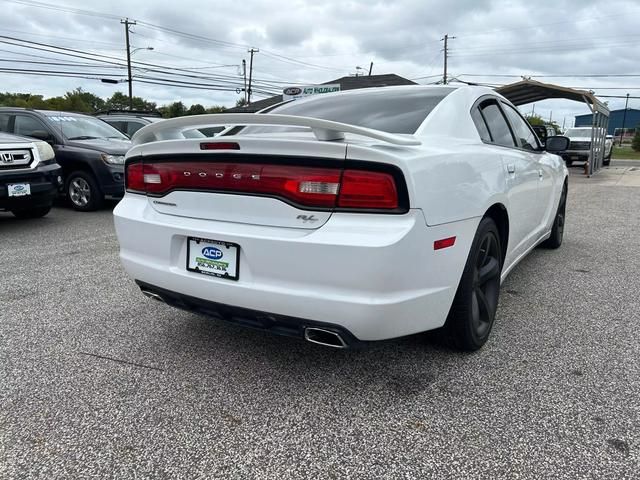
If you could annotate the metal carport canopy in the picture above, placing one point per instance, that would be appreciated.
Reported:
(530, 91)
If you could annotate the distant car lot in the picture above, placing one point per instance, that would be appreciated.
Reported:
(100, 382)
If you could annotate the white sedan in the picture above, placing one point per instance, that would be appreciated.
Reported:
(344, 218)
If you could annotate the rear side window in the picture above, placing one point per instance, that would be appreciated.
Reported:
(133, 127)
(393, 111)
(526, 137)
(117, 124)
(481, 125)
(26, 125)
(4, 122)
(497, 124)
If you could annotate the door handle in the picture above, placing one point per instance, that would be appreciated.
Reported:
(511, 167)
(540, 175)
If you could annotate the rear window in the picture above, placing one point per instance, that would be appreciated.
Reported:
(393, 111)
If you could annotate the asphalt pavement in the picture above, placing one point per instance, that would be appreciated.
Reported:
(97, 381)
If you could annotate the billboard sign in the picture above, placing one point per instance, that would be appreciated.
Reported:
(293, 93)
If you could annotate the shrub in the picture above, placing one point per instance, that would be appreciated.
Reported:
(635, 143)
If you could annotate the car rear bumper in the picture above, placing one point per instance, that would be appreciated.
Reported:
(375, 276)
(43, 182)
(268, 321)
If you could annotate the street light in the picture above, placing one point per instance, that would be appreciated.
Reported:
(140, 48)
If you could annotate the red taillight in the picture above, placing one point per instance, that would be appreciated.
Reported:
(370, 190)
(306, 186)
(135, 178)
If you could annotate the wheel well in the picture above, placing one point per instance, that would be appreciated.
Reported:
(498, 213)
(70, 167)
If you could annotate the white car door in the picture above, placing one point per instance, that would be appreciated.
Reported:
(540, 161)
(521, 175)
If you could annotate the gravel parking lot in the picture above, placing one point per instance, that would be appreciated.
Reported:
(97, 381)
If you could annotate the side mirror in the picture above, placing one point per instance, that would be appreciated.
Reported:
(557, 144)
(42, 135)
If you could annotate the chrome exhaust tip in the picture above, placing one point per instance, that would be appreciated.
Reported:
(324, 337)
(153, 295)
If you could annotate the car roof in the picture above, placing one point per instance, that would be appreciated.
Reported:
(120, 116)
(46, 113)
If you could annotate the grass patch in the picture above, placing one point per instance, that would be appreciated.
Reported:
(625, 153)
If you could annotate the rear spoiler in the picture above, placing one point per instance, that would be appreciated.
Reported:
(324, 130)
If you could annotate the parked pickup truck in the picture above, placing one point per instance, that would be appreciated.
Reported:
(580, 146)
(29, 176)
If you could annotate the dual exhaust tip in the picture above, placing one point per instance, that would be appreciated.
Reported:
(320, 336)
(328, 338)
(153, 295)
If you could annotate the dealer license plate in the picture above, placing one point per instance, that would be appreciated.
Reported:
(212, 257)
(18, 189)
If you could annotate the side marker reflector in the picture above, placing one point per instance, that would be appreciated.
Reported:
(444, 243)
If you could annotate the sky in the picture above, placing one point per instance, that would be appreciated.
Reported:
(576, 43)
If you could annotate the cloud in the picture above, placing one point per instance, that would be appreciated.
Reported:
(332, 37)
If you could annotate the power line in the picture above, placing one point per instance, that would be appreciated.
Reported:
(567, 75)
(61, 8)
(110, 60)
(58, 64)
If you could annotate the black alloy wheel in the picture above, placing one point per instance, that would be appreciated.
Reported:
(486, 284)
(476, 301)
(557, 231)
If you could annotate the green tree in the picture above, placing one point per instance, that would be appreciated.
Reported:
(84, 101)
(196, 109)
(241, 102)
(534, 119)
(635, 143)
(216, 109)
(120, 101)
(175, 109)
(25, 100)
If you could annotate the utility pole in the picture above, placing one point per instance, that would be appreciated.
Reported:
(370, 68)
(251, 51)
(446, 54)
(624, 119)
(244, 74)
(126, 22)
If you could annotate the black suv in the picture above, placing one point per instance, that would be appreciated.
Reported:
(29, 176)
(90, 152)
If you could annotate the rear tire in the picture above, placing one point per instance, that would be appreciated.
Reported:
(474, 306)
(606, 161)
(32, 212)
(83, 191)
(557, 232)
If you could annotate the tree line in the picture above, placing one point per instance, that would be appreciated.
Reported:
(81, 101)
